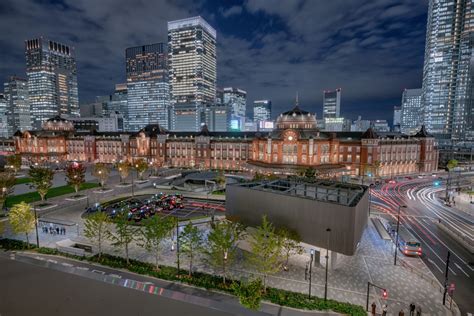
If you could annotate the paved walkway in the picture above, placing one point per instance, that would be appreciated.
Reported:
(463, 204)
(372, 262)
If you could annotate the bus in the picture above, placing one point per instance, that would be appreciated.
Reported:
(407, 243)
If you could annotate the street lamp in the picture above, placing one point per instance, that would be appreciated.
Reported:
(328, 230)
(310, 271)
(398, 225)
(370, 196)
(36, 227)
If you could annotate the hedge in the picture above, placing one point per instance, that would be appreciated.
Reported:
(199, 279)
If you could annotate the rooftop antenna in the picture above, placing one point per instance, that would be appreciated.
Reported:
(297, 100)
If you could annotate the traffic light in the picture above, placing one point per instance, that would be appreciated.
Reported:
(384, 294)
(436, 183)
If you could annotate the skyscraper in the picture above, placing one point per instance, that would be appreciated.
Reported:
(192, 60)
(412, 111)
(116, 102)
(18, 106)
(237, 100)
(448, 70)
(262, 110)
(397, 117)
(52, 80)
(148, 96)
(3, 117)
(332, 103)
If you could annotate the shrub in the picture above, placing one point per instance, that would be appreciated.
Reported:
(13, 244)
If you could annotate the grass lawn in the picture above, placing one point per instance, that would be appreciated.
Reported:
(53, 192)
(22, 180)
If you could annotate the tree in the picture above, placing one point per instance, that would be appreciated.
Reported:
(310, 173)
(140, 166)
(75, 175)
(14, 162)
(376, 167)
(249, 293)
(96, 229)
(190, 242)
(290, 244)
(22, 219)
(101, 172)
(220, 179)
(222, 243)
(7, 181)
(155, 230)
(41, 179)
(453, 163)
(265, 247)
(123, 169)
(124, 234)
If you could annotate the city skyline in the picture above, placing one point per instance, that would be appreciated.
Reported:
(252, 35)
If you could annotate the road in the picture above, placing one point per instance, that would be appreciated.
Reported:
(29, 289)
(421, 215)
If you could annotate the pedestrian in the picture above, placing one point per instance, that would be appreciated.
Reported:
(384, 310)
(418, 311)
(401, 313)
(412, 309)
(374, 307)
(57, 230)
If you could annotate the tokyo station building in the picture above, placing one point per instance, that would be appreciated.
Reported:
(295, 143)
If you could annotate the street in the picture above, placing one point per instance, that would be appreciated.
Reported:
(424, 210)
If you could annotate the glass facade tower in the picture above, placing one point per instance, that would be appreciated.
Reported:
(332, 104)
(18, 106)
(448, 70)
(262, 110)
(236, 99)
(148, 97)
(52, 80)
(192, 60)
(412, 111)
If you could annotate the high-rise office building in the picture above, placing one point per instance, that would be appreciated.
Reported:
(262, 110)
(332, 103)
(397, 118)
(52, 80)
(237, 100)
(218, 117)
(192, 60)
(448, 70)
(18, 106)
(412, 111)
(148, 96)
(3, 117)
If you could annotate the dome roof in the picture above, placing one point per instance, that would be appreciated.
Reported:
(296, 118)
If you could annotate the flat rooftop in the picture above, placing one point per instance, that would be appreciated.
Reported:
(346, 194)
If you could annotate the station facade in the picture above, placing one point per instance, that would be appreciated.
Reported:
(295, 143)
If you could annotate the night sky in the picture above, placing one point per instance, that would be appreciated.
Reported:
(372, 49)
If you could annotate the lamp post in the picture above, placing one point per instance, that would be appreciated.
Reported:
(36, 227)
(370, 196)
(328, 230)
(177, 244)
(310, 272)
(398, 226)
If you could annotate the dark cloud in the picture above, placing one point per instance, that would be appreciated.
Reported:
(371, 49)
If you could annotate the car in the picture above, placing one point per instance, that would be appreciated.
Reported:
(409, 178)
(421, 176)
(433, 174)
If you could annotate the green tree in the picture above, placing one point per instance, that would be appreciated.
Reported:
(190, 242)
(123, 235)
(14, 162)
(290, 244)
(376, 168)
(155, 230)
(220, 179)
(7, 181)
(75, 175)
(140, 166)
(96, 229)
(310, 173)
(123, 169)
(101, 171)
(22, 219)
(41, 179)
(249, 293)
(222, 243)
(453, 163)
(265, 247)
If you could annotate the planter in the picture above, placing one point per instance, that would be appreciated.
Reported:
(104, 190)
(123, 185)
(76, 197)
(45, 206)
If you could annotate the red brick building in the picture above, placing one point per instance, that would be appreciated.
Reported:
(295, 143)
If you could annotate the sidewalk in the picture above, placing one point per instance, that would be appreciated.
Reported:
(463, 204)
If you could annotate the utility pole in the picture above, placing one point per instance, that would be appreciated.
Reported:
(36, 227)
(177, 244)
(446, 278)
